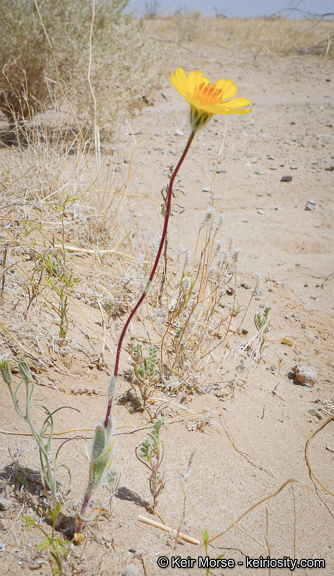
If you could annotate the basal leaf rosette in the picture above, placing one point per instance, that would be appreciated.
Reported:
(207, 99)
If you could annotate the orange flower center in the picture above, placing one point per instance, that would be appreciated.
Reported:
(207, 94)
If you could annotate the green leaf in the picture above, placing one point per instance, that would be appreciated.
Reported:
(29, 521)
(99, 441)
(44, 544)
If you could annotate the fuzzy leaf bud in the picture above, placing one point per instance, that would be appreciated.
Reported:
(25, 371)
(6, 372)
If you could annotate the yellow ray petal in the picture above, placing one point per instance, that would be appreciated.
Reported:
(228, 87)
(236, 103)
(195, 79)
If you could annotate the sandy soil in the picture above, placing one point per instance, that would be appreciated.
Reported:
(248, 439)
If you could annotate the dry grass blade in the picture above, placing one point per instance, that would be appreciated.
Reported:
(249, 458)
(255, 506)
(307, 445)
(171, 531)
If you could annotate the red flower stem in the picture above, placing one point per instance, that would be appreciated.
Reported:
(141, 299)
(155, 265)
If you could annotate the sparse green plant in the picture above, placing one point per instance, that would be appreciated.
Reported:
(262, 324)
(151, 453)
(261, 321)
(51, 265)
(60, 278)
(206, 548)
(59, 547)
(43, 438)
(146, 372)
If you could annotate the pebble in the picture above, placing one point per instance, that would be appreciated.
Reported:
(245, 285)
(260, 172)
(207, 189)
(260, 212)
(286, 179)
(127, 160)
(293, 167)
(287, 340)
(305, 375)
(309, 206)
(221, 171)
(179, 133)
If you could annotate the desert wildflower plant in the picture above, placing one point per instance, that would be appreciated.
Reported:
(205, 101)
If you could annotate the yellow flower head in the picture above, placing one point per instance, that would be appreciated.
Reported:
(207, 99)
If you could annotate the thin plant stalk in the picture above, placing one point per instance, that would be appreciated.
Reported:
(155, 265)
(140, 301)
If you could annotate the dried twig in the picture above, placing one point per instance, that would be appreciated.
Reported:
(171, 531)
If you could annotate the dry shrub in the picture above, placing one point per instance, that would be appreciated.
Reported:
(123, 67)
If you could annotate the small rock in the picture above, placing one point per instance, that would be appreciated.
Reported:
(127, 160)
(179, 133)
(287, 340)
(5, 503)
(245, 285)
(259, 172)
(221, 171)
(293, 167)
(244, 331)
(311, 201)
(315, 413)
(305, 375)
(286, 179)
(260, 212)
(207, 189)
(309, 207)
